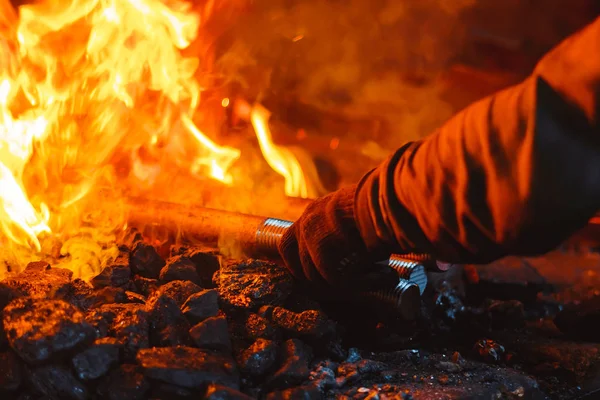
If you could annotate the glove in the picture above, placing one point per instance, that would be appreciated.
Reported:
(324, 247)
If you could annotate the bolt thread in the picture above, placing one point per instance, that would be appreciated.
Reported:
(269, 233)
(412, 271)
(404, 298)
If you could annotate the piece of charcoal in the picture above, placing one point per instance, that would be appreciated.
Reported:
(253, 283)
(39, 329)
(297, 393)
(129, 238)
(306, 323)
(8, 294)
(57, 382)
(76, 292)
(115, 274)
(126, 322)
(188, 367)
(581, 321)
(207, 261)
(96, 360)
(125, 383)
(201, 305)
(295, 367)
(133, 297)
(508, 314)
(11, 371)
(212, 334)
(179, 291)
(167, 391)
(145, 261)
(168, 325)
(257, 359)
(145, 286)
(220, 392)
(39, 279)
(107, 295)
(179, 268)
(257, 327)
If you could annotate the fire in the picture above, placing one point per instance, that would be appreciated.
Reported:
(83, 82)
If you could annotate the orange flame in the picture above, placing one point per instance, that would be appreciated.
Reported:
(83, 82)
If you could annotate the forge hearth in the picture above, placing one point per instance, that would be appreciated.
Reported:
(154, 328)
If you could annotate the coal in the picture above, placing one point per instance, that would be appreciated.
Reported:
(126, 322)
(207, 261)
(179, 268)
(313, 323)
(294, 370)
(220, 392)
(258, 359)
(297, 393)
(145, 286)
(39, 280)
(179, 291)
(257, 326)
(38, 330)
(508, 314)
(581, 321)
(8, 294)
(168, 325)
(11, 371)
(212, 334)
(57, 382)
(188, 367)
(167, 391)
(146, 261)
(125, 383)
(115, 274)
(253, 283)
(201, 305)
(96, 360)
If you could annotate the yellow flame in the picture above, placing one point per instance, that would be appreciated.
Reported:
(81, 81)
(279, 158)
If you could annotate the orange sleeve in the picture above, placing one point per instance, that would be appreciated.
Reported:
(513, 174)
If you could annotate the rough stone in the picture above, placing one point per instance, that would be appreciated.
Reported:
(306, 323)
(220, 392)
(57, 382)
(115, 274)
(146, 261)
(40, 329)
(179, 291)
(179, 268)
(11, 371)
(207, 261)
(257, 359)
(188, 367)
(212, 334)
(489, 350)
(125, 383)
(252, 284)
(126, 322)
(297, 393)
(168, 325)
(201, 305)
(39, 279)
(295, 367)
(145, 286)
(256, 327)
(95, 361)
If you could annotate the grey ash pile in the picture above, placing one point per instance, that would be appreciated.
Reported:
(195, 326)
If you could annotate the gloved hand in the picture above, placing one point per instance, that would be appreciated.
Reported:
(325, 248)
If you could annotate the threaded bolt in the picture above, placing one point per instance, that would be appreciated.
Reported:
(404, 298)
(412, 271)
(426, 260)
(269, 233)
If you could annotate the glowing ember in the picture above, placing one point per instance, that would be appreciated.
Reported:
(84, 82)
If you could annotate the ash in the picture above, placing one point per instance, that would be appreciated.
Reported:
(196, 325)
